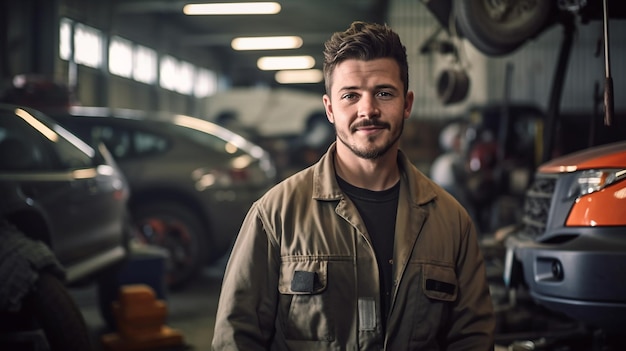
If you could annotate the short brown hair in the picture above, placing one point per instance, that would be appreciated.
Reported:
(364, 41)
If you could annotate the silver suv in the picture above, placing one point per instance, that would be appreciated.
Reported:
(57, 189)
(191, 180)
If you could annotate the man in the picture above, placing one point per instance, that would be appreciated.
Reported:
(360, 251)
(446, 170)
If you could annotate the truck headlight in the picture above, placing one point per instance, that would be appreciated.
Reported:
(595, 180)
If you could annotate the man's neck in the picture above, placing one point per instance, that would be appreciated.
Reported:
(378, 174)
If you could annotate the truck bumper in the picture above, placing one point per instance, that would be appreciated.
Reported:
(583, 277)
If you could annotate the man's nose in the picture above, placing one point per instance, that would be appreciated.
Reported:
(368, 107)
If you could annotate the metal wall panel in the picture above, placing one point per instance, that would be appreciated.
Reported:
(533, 66)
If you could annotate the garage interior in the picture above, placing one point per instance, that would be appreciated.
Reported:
(560, 72)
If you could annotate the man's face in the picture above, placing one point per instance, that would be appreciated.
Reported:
(367, 105)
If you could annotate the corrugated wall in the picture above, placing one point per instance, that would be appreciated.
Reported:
(533, 65)
(415, 25)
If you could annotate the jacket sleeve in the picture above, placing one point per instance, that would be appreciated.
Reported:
(473, 320)
(247, 305)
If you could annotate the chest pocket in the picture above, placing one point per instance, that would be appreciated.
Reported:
(439, 283)
(436, 289)
(304, 300)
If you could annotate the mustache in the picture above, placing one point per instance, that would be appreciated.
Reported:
(370, 123)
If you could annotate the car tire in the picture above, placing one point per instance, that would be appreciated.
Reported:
(177, 229)
(477, 21)
(52, 309)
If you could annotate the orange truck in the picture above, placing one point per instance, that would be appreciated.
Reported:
(570, 251)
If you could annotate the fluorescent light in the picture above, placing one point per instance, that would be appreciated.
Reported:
(270, 63)
(299, 76)
(266, 43)
(239, 8)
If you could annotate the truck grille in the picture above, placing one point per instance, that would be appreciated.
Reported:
(537, 204)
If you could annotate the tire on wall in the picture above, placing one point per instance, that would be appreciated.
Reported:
(177, 229)
(495, 29)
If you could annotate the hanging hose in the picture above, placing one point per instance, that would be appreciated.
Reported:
(608, 83)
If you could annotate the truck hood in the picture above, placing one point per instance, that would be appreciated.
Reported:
(605, 156)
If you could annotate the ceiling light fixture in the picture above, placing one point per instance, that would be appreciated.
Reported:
(238, 8)
(299, 76)
(274, 63)
(266, 43)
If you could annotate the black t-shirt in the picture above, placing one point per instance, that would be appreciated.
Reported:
(378, 210)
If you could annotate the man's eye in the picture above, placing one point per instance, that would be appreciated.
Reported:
(384, 94)
(348, 96)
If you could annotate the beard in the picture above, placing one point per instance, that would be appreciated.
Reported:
(370, 151)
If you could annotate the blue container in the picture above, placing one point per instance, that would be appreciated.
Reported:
(146, 265)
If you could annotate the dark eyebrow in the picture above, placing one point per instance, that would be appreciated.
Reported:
(377, 87)
(386, 86)
(348, 88)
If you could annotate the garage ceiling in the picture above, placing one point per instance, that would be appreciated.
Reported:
(313, 20)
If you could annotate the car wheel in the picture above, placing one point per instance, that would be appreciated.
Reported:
(51, 309)
(498, 27)
(176, 229)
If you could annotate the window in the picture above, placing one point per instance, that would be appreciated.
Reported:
(27, 144)
(177, 75)
(206, 139)
(65, 39)
(121, 57)
(205, 84)
(126, 143)
(146, 143)
(88, 44)
(184, 81)
(117, 141)
(144, 65)
(168, 72)
(85, 46)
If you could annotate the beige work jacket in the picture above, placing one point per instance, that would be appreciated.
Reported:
(303, 275)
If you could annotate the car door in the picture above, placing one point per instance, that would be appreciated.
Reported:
(58, 175)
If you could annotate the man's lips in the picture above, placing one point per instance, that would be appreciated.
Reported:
(369, 129)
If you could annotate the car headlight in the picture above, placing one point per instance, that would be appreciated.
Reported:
(594, 180)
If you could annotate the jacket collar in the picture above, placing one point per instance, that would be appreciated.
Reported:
(325, 186)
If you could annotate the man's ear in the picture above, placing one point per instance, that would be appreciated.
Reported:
(408, 104)
(328, 107)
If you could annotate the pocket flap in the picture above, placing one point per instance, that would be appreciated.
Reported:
(440, 282)
(302, 277)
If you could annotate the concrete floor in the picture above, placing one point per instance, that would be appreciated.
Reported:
(191, 311)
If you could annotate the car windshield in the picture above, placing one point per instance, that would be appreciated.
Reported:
(214, 136)
(29, 141)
